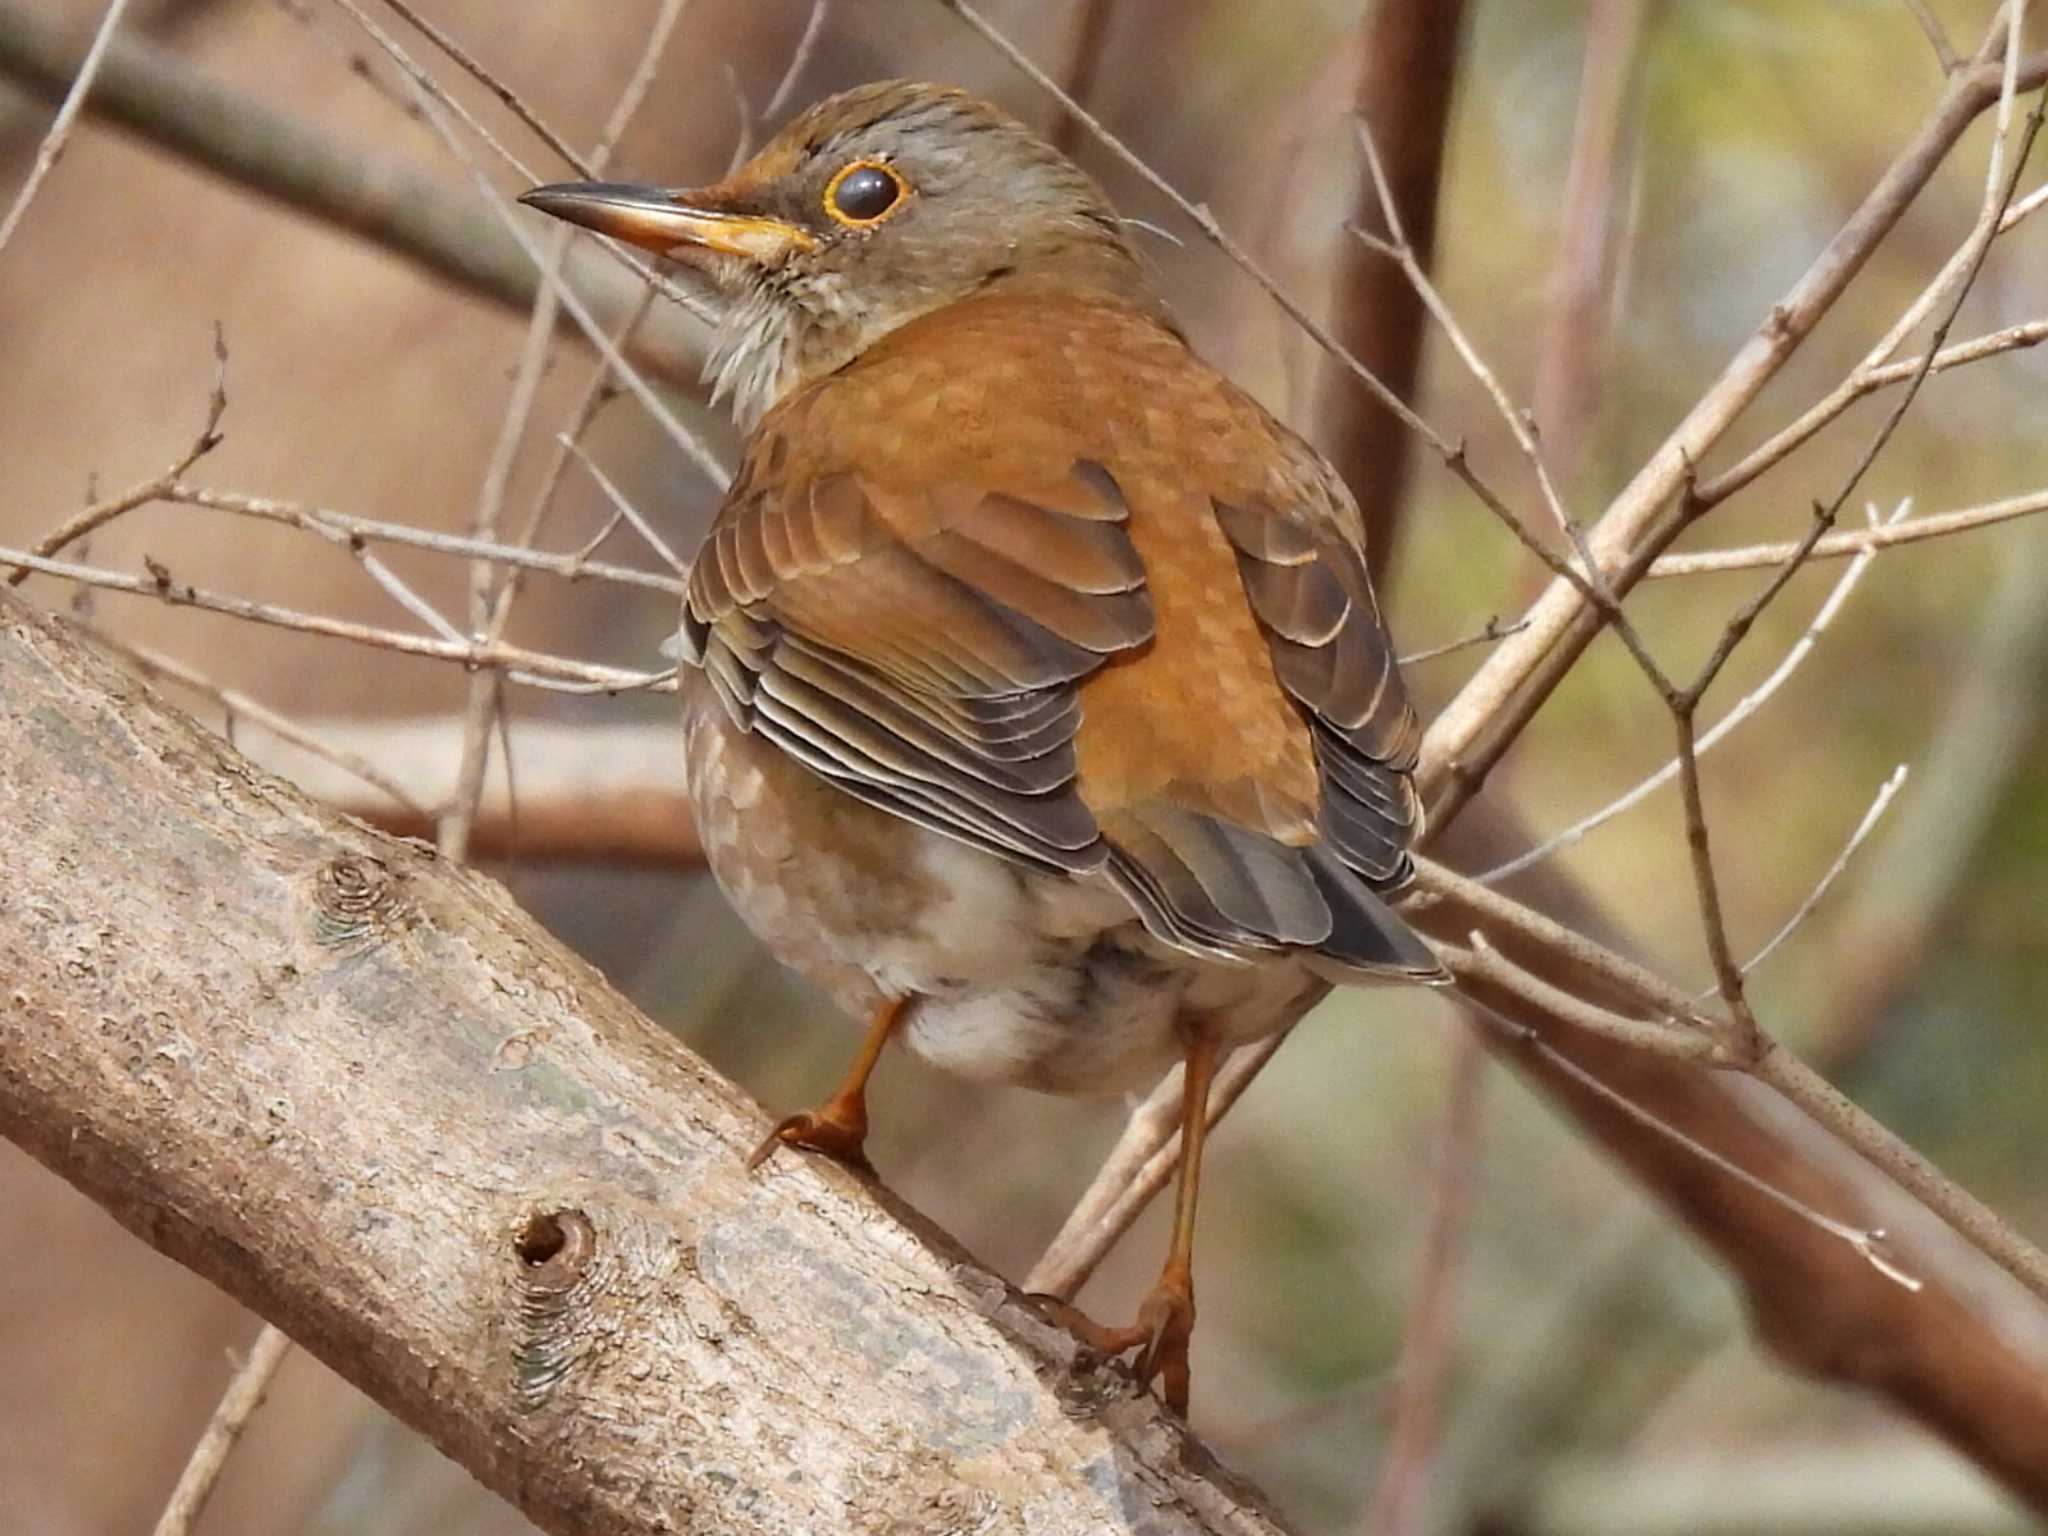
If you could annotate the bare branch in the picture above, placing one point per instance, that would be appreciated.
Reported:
(101, 513)
(1862, 380)
(1857, 542)
(514, 103)
(326, 522)
(1494, 631)
(433, 99)
(532, 668)
(1937, 36)
(244, 1395)
(52, 146)
(152, 92)
(1962, 1210)
(354, 767)
(1818, 894)
(1867, 1243)
(492, 594)
(799, 59)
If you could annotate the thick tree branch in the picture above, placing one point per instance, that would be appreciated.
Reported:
(360, 1090)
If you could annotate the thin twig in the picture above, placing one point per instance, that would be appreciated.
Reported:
(799, 60)
(625, 508)
(1861, 381)
(1937, 36)
(1396, 247)
(245, 1394)
(101, 513)
(1855, 542)
(1818, 894)
(1426, 1342)
(1962, 1210)
(52, 147)
(1494, 631)
(1482, 963)
(534, 669)
(325, 521)
(1489, 713)
(514, 103)
(1684, 703)
(236, 705)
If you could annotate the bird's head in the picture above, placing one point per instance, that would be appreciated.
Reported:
(872, 208)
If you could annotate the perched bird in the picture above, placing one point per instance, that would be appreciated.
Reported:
(1038, 706)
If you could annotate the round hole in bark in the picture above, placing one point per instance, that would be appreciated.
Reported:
(542, 1238)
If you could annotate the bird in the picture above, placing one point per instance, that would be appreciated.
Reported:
(1037, 702)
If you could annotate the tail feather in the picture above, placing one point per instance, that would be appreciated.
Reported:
(1223, 891)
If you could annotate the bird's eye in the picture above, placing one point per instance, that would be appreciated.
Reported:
(865, 193)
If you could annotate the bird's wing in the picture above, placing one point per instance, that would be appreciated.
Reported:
(1253, 769)
(968, 584)
(920, 648)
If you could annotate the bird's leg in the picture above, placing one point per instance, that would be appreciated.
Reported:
(1166, 1319)
(839, 1127)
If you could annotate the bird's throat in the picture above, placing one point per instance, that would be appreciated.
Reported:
(754, 359)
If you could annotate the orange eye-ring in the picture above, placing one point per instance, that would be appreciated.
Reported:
(865, 192)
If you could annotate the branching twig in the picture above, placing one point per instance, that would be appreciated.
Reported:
(1493, 631)
(433, 99)
(1863, 380)
(101, 513)
(1490, 712)
(1748, 705)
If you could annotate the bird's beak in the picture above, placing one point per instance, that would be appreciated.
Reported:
(664, 221)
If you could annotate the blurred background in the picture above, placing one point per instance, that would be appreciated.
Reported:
(1602, 1378)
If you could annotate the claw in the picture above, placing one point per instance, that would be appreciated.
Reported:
(1165, 1324)
(838, 1137)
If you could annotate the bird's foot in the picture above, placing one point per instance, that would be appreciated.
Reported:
(1166, 1321)
(832, 1129)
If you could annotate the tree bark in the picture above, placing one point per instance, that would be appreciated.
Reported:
(363, 1092)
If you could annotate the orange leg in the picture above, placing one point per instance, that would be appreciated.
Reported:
(839, 1127)
(1166, 1319)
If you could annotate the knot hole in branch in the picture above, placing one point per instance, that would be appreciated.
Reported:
(557, 1252)
(356, 898)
